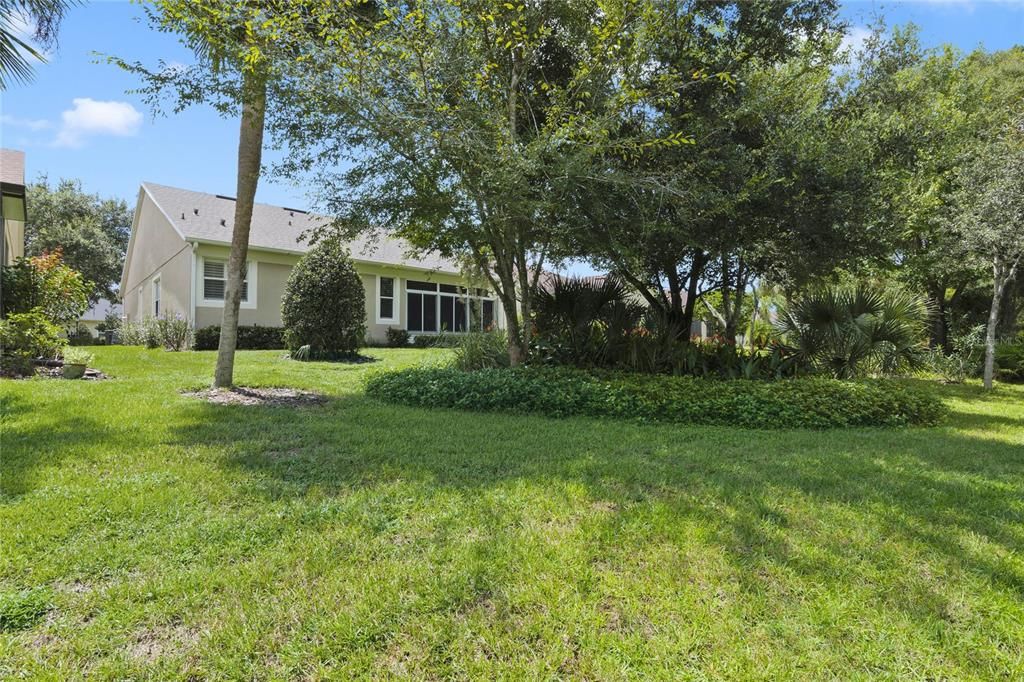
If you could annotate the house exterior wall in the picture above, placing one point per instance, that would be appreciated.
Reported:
(271, 271)
(14, 241)
(158, 251)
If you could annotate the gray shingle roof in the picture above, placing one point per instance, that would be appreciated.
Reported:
(210, 217)
(99, 311)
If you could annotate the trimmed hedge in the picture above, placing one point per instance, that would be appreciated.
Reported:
(250, 337)
(812, 402)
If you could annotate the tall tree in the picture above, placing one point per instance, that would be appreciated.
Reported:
(760, 179)
(991, 220)
(16, 53)
(925, 111)
(463, 122)
(92, 233)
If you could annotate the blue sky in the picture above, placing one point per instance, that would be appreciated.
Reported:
(76, 119)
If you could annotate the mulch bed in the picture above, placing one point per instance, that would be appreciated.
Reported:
(52, 370)
(57, 373)
(267, 397)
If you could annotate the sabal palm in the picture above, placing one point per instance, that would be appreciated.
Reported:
(16, 54)
(851, 331)
(589, 319)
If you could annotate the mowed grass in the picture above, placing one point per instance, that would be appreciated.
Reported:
(147, 535)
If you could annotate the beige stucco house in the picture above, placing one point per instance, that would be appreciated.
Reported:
(178, 253)
(12, 207)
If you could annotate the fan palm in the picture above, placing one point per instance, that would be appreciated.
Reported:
(16, 53)
(586, 321)
(852, 331)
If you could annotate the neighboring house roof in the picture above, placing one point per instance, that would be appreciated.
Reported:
(12, 167)
(99, 311)
(209, 218)
(547, 278)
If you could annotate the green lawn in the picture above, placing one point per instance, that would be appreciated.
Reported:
(175, 539)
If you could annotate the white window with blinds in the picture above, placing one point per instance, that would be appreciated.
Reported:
(213, 282)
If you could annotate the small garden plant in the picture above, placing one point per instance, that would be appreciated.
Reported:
(74, 355)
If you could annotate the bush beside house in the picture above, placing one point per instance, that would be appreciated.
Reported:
(39, 298)
(250, 337)
(324, 304)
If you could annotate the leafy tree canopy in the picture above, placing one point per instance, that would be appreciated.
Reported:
(91, 233)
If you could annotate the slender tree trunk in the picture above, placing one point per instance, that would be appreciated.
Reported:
(696, 271)
(755, 301)
(516, 349)
(940, 330)
(250, 156)
(1002, 274)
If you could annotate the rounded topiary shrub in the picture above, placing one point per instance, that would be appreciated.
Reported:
(324, 304)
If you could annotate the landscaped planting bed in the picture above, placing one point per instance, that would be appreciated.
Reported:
(811, 402)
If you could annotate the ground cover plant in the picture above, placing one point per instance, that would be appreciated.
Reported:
(810, 402)
(150, 535)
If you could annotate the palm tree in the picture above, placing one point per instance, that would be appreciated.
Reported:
(16, 54)
(852, 331)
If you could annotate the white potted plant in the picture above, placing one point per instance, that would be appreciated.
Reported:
(75, 362)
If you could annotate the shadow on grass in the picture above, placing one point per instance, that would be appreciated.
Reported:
(44, 443)
(933, 488)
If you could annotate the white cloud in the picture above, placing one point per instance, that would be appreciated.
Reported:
(33, 124)
(93, 117)
(855, 37)
(24, 29)
(173, 67)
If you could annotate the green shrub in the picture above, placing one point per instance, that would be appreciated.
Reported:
(442, 340)
(26, 336)
(590, 324)
(963, 362)
(173, 332)
(131, 333)
(481, 350)
(586, 322)
(850, 332)
(397, 338)
(250, 337)
(151, 336)
(46, 285)
(811, 402)
(324, 303)
(1010, 362)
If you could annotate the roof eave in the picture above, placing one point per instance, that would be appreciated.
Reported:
(296, 252)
